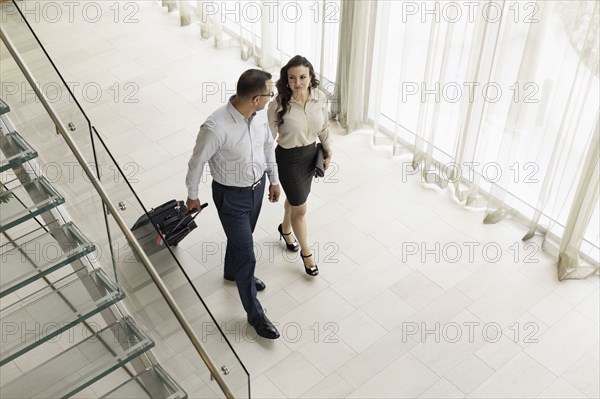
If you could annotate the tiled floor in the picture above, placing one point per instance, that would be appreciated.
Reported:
(401, 307)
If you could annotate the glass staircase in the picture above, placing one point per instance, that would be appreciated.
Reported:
(143, 386)
(51, 309)
(19, 151)
(83, 364)
(26, 201)
(23, 264)
(83, 310)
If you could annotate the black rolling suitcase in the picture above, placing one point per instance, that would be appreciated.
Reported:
(173, 222)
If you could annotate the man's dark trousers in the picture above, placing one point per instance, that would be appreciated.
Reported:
(238, 211)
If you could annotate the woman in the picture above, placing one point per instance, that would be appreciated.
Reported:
(297, 117)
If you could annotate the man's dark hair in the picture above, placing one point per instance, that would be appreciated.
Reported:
(252, 83)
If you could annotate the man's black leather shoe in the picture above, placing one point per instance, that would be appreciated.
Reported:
(264, 328)
(258, 282)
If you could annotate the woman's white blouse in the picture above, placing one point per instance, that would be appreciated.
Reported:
(301, 126)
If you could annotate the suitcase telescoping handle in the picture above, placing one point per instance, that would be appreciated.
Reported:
(189, 213)
(197, 212)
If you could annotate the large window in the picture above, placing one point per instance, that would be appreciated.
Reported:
(517, 81)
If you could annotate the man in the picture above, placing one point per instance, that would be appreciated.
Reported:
(239, 148)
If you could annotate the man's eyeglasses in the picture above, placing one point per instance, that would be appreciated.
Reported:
(264, 95)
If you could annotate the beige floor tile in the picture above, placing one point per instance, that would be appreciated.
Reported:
(508, 301)
(294, 375)
(551, 309)
(388, 309)
(405, 378)
(327, 351)
(561, 389)
(443, 389)
(262, 388)
(359, 330)
(469, 374)
(520, 377)
(417, 290)
(584, 375)
(364, 283)
(332, 386)
(376, 358)
(565, 342)
(496, 354)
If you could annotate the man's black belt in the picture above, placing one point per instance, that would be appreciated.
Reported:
(236, 188)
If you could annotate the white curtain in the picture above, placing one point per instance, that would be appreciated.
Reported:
(355, 53)
(499, 103)
(207, 14)
(570, 263)
(269, 32)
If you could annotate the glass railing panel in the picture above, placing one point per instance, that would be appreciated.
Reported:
(18, 148)
(54, 309)
(83, 207)
(61, 168)
(52, 84)
(41, 255)
(153, 383)
(83, 364)
(27, 201)
(150, 307)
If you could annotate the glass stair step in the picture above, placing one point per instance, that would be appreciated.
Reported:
(27, 201)
(52, 310)
(152, 383)
(83, 364)
(4, 108)
(14, 151)
(41, 256)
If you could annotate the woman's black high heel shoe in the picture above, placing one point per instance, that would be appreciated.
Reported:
(311, 271)
(293, 246)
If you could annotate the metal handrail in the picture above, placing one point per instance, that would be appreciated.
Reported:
(114, 212)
